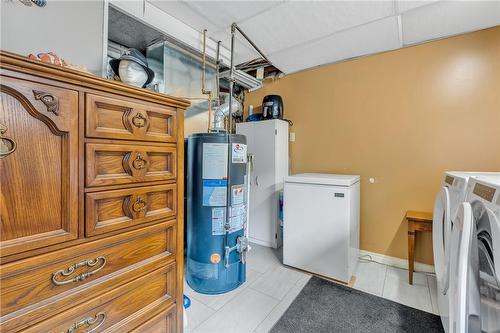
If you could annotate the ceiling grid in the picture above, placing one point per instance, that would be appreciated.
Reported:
(299, 35)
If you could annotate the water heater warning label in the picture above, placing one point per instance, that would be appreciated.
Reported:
(239, 153)
(214, 161)
(236, 222)
(218, 220)
(214, 192)
(238, 217)
(237, 194)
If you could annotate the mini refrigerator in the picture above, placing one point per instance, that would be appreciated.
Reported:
(321, 224)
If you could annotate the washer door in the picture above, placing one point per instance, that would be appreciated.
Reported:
(485, 259)
(441, 229)
(460, 246)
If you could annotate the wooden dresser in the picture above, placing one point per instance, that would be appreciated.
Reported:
(91, 203)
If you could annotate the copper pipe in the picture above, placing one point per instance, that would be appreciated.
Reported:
(203, 79)
(217, 67)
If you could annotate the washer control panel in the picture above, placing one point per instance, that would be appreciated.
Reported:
(484, 191)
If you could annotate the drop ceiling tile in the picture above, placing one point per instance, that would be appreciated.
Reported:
(448, 18)
(225, 37)
(294, 23)
(224, 13)
(181, 11)
(378, 36)
(405, 5)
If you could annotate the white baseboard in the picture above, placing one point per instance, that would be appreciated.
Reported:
(396, 262)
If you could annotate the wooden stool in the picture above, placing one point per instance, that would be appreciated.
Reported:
(417, 221)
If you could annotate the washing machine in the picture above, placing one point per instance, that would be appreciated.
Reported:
(446, 206)
(475, 238)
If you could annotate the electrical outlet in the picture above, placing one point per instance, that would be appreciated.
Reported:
(292, 136)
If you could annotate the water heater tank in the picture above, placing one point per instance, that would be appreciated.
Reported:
(215, 246)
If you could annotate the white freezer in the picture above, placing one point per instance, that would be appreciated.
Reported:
(321, 224)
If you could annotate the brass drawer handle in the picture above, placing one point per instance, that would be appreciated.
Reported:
(139, 120)
(7, 145)
(139, 205)
(100, 316)
(80, 277)
(136, 163)
(139, 162)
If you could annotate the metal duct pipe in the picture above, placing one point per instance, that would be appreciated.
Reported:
(221, 112)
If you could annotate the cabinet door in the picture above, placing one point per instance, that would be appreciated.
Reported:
(263, 195)
(39, 180)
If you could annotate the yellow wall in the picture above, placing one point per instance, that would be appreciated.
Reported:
(402, 117)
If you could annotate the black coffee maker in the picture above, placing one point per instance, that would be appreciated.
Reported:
(272, 107)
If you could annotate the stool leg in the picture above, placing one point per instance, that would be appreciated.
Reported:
(411, 255)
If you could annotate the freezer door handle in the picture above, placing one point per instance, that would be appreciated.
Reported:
(256, 180)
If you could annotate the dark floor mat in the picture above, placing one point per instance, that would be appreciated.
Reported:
(324, 306)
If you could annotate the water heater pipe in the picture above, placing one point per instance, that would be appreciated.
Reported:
(229, 153)
(227, 249)
(203, 78)
(217, 74)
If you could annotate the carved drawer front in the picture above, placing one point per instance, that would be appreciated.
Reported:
(109, 164)
(46, 277)
(39, 168)
(164, 322)
(114, 118)
(112, 210)
(109, 312)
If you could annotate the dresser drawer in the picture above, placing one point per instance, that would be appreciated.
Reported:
(116, 118)
(110, 164)
(117, 209)
(116, 306)
(164, 322)
(31, 281)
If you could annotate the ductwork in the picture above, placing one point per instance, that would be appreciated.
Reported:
(221, 112)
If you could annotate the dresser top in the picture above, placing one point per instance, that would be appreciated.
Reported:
(14, 62)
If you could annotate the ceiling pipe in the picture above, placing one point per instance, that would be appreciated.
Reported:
(234, 26)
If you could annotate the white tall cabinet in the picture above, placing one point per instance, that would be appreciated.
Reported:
(268, 141)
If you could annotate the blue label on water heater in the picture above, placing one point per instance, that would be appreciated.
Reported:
(214, 192)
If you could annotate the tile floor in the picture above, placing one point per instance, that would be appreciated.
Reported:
(271, 287)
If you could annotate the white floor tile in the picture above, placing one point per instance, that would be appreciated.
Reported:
(196, 314)
(277, 282)
(303, 280)
(271, 287)
(218, 301)
(398, 290)
(241, 315)
(402, 275)
(262, 259)
(431, 280)
(252, 275)
(370, 277)
(268, 323)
